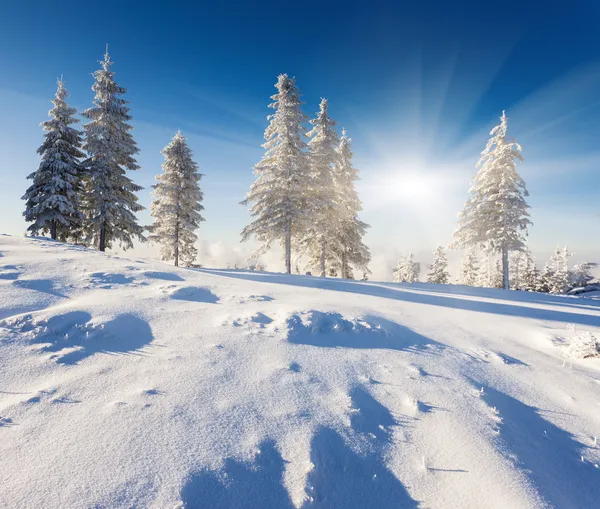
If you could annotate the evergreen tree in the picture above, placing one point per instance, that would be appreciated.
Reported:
(486, 268)
(496, 211)
(110, 204)
(324, 202)
(407, 270)
(279, 194)
(438, 269)
(347, 241)
(555, 276)
(497, 276)
(470, 269)
(524, 274)
(580, 275)
(52, 201)
(177, 206)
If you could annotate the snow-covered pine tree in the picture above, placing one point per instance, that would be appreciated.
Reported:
(398, 272)
(469, 269)
(555, 276)
(497, 275)
(324, 203)
(407, 270)
(438, 269)
(110, 200)
(581, 274)
(347, 241)
(530, 274)
(52, 201)
(279, 194)
(177, 206)
(496, 211)
(524, 274)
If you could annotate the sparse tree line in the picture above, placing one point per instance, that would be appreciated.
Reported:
(81, 191)
(303, 198)
(483, 268)
(492, 228)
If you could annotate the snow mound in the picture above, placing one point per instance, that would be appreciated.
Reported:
(130, 383)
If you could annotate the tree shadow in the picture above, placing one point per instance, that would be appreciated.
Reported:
(371, 417)
(332, 330)
(195, 294)
(165, 276)
(240, 485)
(410, 293)
(124, 334)
(341, 479)
(514, 295)
(547, 454)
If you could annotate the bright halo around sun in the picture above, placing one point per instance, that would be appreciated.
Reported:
(408, 187)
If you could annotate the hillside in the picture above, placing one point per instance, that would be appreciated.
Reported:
(130, 383)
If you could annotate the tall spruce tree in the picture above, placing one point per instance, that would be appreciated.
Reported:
(324, 203)
(496, 212)
(438, 272)
(346, 240)
(279, 194)
(52, 201)
(110, 203)
(177, 205)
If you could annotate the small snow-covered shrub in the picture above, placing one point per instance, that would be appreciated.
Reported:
(584, 346)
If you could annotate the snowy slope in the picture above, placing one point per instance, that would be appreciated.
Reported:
(128, 383)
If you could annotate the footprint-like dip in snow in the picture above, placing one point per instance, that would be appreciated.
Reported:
(257, 320)
(195, 294)
(9, 272)
(163, 276)
(255, 298)
(6, 421)
(106, 280)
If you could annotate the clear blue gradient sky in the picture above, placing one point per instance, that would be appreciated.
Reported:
(418, 86)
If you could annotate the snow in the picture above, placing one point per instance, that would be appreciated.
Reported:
(130, 383)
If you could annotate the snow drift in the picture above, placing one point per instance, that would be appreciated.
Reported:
(129, 383)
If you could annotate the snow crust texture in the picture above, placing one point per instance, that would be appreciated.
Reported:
(129, 383)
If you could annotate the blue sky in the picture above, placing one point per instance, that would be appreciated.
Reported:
(418, 86)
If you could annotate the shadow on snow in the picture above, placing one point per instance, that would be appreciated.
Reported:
(124, 334)
(195, 294)
(332, 330)
(165, 276)
(340, 479)
(241, 485)
(420, 295)
(547, 454)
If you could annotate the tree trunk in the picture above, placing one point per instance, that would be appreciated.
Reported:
(323, 249)
(102, 241)
(288, 246)
(344, 264)
(505, 280)
(177, 242)
(53, 229)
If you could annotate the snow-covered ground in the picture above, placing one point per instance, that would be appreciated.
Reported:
(129, 383)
